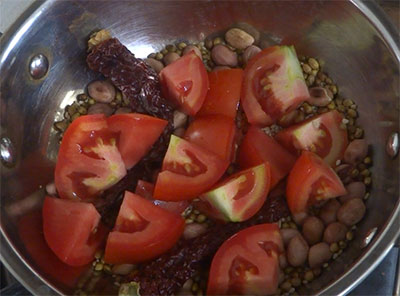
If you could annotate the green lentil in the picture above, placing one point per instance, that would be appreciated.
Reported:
(286, 286)
(366, 196)
(349, 235)
(192, 216)
(352, 113)
(208, 43)
(331, 106)
(365, 173)
(152, 55)
(170, 48)
(159, 56)
(328, 80)
(201, 218)
(358, 133)
(309, 276)
(292, 225)
(285, 225)
(354, 173)
(314, 72)
(217, 40)
(164, 51)
(82, 97)
(98, 267)
(82, 110)
(188, 221)
(306, 68)
(91, 101)
(367, 160)
(113, 104)
(325, 265)
(317, 271)
(182, 45)
(342, 244)
(61, 125)
(195, 287)
(347, 102)
(341, 108)
(75, 116)
(333, 89)
(107, 268)
(367, 181)
(308, 109)
(313, 63)
(310, 80)
(179, 52)
(334, 247)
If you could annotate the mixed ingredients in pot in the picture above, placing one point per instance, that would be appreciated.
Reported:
(230, 166)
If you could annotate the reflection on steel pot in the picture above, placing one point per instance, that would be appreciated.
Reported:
(352, 39)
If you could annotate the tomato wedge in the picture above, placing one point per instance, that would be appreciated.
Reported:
(321, 134)
(137, 133)
(273, 85)
(142, 231)
(185, 83)
(215, 133)
(187, 171)
(72, 230)
(311, 181)
(247, 263)
(88, 160)
(240, 196)
(257, 147)
(224, 94)
(30, 230)
(145, 190)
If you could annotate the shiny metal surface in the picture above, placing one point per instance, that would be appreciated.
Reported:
(7, 153)
(392, 146)
(38, 66)
(368, 238)
(355, 42)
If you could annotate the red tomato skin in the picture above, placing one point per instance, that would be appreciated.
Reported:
(257, 147)
(142, 231)
(72, 230)
(137, 134)
(30, 230)
(306, 177)
(334, 139)
(215, 133)
(175, 186)
(276, 103)
(224, 94)
(246, 244)
(74, 166)
(185, 83)
(146, 189)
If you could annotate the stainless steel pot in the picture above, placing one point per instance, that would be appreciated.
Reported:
(355, 41)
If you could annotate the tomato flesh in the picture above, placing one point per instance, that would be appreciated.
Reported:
(247, 263)
(72, 230)
(257, 148)
(187, 171)
(311, 181)
(146, 189)
(240, 196)
(273, 85)
(215, 133)
(136, 134)
(88, 160)
(322, 134)
(185, 83)
(224, 94)
(142, 231)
